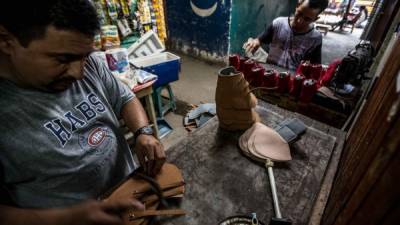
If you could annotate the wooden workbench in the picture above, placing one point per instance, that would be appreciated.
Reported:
(221, 182)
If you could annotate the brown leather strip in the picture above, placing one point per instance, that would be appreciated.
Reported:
(169, 177)
(152, 198)
(165, 212)
(165, 187)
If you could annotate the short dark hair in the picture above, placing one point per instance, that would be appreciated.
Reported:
(316, 4)
(29, 19)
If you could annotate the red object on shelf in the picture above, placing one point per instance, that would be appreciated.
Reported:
(256, 76)
(241, 66)
(234, 60)
(308, 89)
(295, 84)
(269, 79)
(304, 69)
(248, 66)
(316, 71)
(327, 75)
(283, 82)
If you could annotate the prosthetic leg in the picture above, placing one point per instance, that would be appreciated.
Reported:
(264, 144)
(277, 220)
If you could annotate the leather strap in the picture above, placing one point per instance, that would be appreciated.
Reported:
(167, 193)
(151, 212)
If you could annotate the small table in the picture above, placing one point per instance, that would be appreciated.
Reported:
(145, 91)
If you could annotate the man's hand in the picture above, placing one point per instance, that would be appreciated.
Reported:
(251, 45)
(87, 213)
(99, 212)
(148, 149)
(150, 153)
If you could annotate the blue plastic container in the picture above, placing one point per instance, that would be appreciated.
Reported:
(165, 65)
(148, 54)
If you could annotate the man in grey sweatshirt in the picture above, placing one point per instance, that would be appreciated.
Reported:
(60, 143)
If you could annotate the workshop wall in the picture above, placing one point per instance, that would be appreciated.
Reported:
(199, 27)
(250, 17)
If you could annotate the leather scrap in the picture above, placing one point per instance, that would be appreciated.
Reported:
(169, 183)
(261, 142)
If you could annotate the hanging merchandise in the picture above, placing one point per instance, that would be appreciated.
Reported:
(124, 28)
(112, 10)
(109, 37)
(100, 11)
(153, 18)
(97, 42)
(144, 15)
(159, 19)
(132, 18)
(133, 7)
(124, 8)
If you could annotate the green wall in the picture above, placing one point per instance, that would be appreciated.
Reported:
(249, 18)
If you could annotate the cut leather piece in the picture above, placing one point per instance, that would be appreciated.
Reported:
(149, 199)
(129, 220)
(261, 142)
(247, 134)
(169, 180)
(169, 177)
(243, 144)
(252, 150)
(151, 212)
(269, 144)
(274, 147)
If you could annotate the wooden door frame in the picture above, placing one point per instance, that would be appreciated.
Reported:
(362, 191)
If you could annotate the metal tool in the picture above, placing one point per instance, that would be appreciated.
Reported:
(254, 220)
(277, 220)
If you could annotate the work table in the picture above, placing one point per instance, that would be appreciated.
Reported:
(222, 182)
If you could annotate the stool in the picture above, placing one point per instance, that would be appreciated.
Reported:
(161, 108)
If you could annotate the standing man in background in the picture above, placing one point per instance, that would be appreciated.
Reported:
(293, 39)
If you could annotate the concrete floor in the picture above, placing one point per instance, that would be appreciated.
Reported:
(196, 85)
(197, 81)
(335, 45)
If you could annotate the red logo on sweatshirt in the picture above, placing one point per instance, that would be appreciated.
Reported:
(96, 137)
